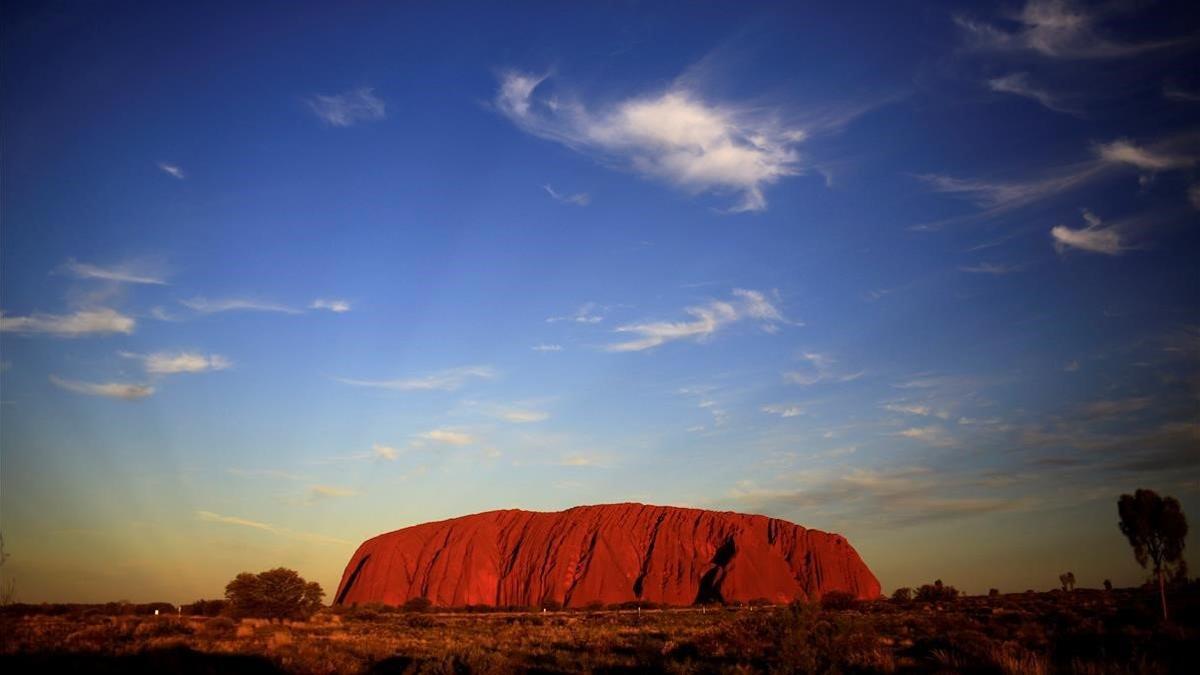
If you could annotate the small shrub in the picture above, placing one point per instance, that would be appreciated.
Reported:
(993, 592)
(902, 594)
(838, 600)
(936, 592)
(219, 627)
(162, 627)
(418, 604)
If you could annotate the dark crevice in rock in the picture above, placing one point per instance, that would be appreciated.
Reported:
(353, 577)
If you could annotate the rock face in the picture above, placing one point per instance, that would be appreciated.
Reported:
(610, 554)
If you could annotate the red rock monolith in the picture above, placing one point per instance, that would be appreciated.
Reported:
(609, 554)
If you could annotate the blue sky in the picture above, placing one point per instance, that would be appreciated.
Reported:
(279, 278)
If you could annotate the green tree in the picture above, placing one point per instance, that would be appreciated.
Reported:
(275, 594)
(1156, 529)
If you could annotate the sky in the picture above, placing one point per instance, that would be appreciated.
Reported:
(279, 277)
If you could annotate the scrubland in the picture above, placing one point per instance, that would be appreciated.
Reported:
(1084, 631)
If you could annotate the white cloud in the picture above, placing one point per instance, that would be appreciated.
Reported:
(119, 273)
(210, 517)
(446, 380)
(578, 199)
(386, 452)
(706, 320)
(325, 491)
(84, 322)
(345, 109)
(205, 306)
(525, 416)
(1006, 195)
(783, 409)
(818, 368)
(547, 348)
(582, 461)
(121, 390)
(1018, 84)
(1095, 238)
(172, 170)
(588, 312)
(674, 136)
(1124, 151)
(916, 409)
(994, 269)
(932, 435)
(168, 363)
(332, 305)
(1055, 29)
(447, 436)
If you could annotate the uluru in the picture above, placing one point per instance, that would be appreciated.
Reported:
(610, 554)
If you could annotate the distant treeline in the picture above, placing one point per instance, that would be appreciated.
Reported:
(198, 608)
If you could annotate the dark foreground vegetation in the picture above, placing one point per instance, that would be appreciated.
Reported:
(1082, 631)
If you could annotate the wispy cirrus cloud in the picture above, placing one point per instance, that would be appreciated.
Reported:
(122, 390)
(998, 195)
(211, 517)
(1095, 238)
(348, 108)
(578, 198)
(447, 437)
(817, 368)
(1056, 29)
(1019, 84)
(445, 380)
(887, 498)
(783, 409)
(547, 348)
(673, 135)
(333, 305)
(170, 363)
(588, 312)
(317, 492)
(206, 306)
(126, 273)
(706, 321)
(99, 321)
(995, 269)
(1161, 158)
(172, 170)
(916, 409)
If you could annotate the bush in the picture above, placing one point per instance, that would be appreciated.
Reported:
(993, 592)
(936, 592)
(551, 605)
(418, 605)
(162, 627)
(902, 594)
(206, 607)
(221, 626)
(275, 594)
(835, 600)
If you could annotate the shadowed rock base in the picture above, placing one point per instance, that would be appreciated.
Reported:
(606, 554)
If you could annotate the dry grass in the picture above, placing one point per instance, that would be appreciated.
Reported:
(1083, 632)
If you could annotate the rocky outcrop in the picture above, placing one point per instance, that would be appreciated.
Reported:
(610, 554)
